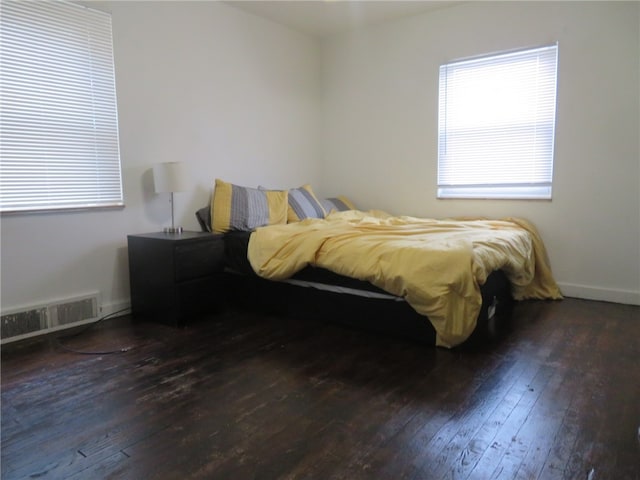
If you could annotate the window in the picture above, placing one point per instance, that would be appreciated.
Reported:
(58, 119)
(496, 126)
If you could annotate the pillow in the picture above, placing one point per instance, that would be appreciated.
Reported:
(242, 208)
(340, 204)
(203, 215)
(304, 204)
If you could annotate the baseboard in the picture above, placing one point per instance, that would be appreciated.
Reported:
(628, 297)
(115, 309)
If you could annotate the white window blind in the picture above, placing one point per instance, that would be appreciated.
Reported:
(496, 126)
(58, 119)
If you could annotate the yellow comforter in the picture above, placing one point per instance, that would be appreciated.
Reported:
(436, 265)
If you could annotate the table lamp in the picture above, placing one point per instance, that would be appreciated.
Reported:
(170, 177)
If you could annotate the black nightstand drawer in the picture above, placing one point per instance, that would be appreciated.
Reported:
(202, 295)
(198, 259)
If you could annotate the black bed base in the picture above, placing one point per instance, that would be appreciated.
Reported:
(389, 317)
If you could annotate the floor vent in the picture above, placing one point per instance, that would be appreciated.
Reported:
(73, 311)
(21, 323)
(36, 320)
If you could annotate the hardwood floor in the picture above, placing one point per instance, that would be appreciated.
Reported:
(243, 396)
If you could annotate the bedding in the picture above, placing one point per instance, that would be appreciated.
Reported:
(239, 208)
(339, 204)
(437, 266)
(235, 252)
(303, 204)
(235, 207)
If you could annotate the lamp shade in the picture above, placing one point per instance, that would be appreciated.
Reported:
(170, 177)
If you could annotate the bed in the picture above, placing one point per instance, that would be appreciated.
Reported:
(298, 255)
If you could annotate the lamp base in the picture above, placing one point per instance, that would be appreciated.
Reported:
(172, 229)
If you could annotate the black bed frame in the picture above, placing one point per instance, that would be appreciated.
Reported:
(389, 317)
(385, 316)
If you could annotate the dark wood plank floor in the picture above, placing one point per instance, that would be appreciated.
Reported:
(243, 396)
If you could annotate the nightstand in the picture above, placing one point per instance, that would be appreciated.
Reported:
(175, 276)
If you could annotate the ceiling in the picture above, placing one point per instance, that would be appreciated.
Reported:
(326, 17)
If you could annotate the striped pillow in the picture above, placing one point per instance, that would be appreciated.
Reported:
(243, 208)
(339, 204)
(304, 204)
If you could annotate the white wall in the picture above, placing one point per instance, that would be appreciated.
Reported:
(380, 99)
(232, 95)
(238, 97)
